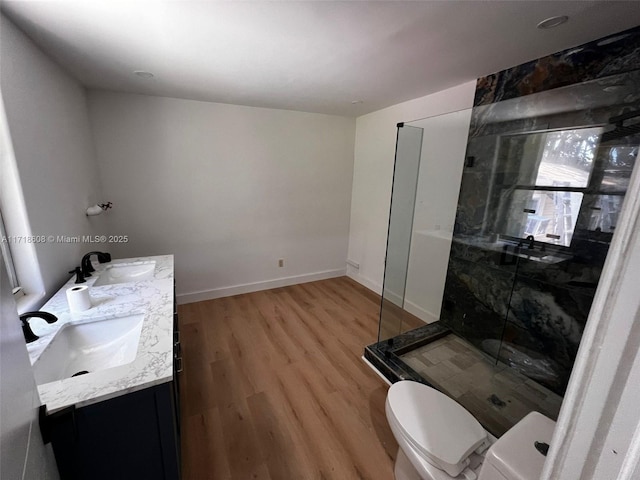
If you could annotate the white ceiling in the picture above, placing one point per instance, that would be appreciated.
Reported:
(313, 56)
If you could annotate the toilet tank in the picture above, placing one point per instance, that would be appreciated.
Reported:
(515, 456)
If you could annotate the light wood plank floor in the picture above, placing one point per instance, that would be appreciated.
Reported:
(273, 386)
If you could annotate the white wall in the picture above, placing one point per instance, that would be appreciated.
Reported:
(23, 455)
(373, 175)
(49, 126)
(228, 189)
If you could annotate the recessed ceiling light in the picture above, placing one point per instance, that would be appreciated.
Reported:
(143, 74)
(553, 22)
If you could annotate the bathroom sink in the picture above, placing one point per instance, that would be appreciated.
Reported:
(80, 348)
(126, 272)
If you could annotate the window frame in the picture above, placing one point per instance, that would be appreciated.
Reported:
(16, 223)
(7, 256)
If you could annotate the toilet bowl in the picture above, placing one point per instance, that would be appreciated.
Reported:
(439, 440)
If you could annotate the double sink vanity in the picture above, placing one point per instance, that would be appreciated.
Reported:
(108, 377)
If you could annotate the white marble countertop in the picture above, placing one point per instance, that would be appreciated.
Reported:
(153, 364)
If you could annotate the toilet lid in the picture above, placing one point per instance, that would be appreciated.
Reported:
(435, 425)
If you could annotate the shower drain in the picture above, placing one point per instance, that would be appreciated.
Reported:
(497, 401)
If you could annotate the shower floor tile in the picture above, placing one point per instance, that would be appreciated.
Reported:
(495, 394)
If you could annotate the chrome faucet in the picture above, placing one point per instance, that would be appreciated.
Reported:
(86, 266)
(29, 336)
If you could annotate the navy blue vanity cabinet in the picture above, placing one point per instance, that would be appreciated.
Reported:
(135, 436)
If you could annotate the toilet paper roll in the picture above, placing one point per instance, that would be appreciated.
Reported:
(78, 298)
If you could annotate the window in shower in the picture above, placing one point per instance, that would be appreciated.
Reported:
(542, 196)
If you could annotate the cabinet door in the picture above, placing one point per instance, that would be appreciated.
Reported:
(128, 437)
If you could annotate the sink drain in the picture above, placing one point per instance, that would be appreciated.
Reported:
(81, 372)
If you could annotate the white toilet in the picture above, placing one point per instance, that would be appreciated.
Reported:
(440, 440)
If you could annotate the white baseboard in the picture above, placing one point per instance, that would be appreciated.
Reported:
(394, 298)
(257, 286)
(409, 306)
(421, 313)
(373, 286)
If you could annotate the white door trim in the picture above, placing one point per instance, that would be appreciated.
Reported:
(598, 430)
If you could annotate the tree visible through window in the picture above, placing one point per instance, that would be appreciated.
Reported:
(554, 171)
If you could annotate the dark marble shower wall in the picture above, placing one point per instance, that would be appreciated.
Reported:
(612, 55)
(528, 307)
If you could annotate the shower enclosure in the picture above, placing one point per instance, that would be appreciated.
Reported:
(501, 219)
(423, 207)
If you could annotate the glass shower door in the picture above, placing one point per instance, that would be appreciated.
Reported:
(481, 270)
(403, 195)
